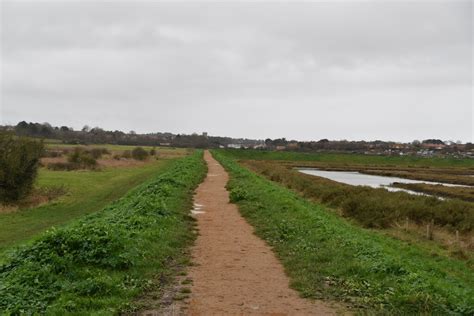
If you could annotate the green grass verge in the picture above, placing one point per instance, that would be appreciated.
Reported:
(352, 159)
(88, 191)
(327, 257)
(98, 264)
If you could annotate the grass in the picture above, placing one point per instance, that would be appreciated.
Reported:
(463, 193)
(97, 265)
(327, 257)
(353, 159)
(88, 191)
(434, 176)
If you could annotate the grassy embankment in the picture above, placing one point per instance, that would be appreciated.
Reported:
(398, 214)
(99, 263)
(328, 257)
(87, 192)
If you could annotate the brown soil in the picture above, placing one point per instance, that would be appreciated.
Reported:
(47, 160)
(235, 272)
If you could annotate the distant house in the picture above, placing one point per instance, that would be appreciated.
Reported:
(433, 146)
(280, 147)
(165, 144)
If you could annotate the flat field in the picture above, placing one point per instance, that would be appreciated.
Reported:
(83, 192)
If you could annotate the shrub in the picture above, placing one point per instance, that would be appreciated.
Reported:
(81, 159)
(19, 162)
(238, 194)
(152, 152)
(127, 154)
(138, 153)
(98, 152)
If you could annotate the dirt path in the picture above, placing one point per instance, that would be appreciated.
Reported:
(235, 272)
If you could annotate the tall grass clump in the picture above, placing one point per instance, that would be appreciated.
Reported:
(19, 162)
(327, 257)
(99, 263)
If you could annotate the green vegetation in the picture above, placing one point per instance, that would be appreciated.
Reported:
(375, 208)
(327, 257)
(353, 159)
(435, 175)
(82, 159)
(138, 153)
(78, 158)
(87, 192)
(463, 193)
(19, 162)
(98, 264)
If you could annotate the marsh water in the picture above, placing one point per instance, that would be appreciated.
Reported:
(374, 181)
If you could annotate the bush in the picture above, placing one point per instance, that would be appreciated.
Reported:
(153, 152)
(98, 152)
(81, 159)
(138, 153)
(19, 162)
(127, 154)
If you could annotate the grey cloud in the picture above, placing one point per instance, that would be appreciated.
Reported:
(391, 70)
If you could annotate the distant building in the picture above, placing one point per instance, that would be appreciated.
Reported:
(433, 146)
(293, 145)
(237, 146)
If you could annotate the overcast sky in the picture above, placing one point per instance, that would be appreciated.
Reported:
(309, 70)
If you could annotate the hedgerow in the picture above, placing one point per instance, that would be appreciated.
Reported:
(99, 263)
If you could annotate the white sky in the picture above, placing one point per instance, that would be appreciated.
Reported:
(300, 70)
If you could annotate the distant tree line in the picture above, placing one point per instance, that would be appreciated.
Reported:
(97, 135)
